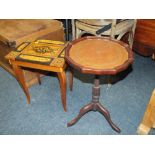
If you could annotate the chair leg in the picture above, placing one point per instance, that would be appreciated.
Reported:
(77, 33)
(39, 79)
(73, 28)
(130, 39)
(109, 81)
(133, 32)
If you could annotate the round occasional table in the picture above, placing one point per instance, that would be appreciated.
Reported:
(98, 56)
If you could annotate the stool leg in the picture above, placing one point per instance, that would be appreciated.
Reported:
(71, 79)
(20, 78)
(62, 80)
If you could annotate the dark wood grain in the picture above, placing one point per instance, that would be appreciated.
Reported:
(95, 105)
(144, 39)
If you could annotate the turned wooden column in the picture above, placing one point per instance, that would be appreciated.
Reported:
(96, 90)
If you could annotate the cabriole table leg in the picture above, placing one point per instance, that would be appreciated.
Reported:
(20, 78)
(62, 80)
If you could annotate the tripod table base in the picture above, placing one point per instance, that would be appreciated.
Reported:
(95, 106)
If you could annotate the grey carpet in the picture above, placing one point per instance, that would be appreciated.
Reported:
(126, 100)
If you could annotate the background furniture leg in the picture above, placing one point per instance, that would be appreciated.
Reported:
(66, 29)
(148, 120)
(62, 80)
(20, 78)
(73, 29)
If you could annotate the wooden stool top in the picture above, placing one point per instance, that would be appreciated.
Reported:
(99, 55)
(45, 52)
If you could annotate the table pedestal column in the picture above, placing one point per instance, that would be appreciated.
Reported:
(95, 106)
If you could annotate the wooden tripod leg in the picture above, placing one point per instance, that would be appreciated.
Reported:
(62, 80)
(20, 78)
(148, 120)
(83, 111)
(106, 114)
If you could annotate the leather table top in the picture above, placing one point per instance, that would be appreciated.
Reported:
(98, 53)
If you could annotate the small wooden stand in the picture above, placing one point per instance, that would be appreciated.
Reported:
(97, 56)
(148, 120)
(50, 58)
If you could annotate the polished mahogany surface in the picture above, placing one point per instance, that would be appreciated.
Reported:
(144, 38)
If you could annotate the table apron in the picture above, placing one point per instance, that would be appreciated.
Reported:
(38, 66)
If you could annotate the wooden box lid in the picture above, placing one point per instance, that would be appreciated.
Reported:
(16, 31)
